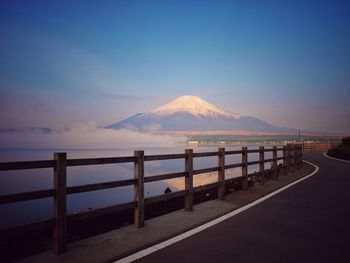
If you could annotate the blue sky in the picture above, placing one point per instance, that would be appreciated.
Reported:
(286, 62)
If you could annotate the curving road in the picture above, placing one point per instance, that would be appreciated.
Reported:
(309, 222)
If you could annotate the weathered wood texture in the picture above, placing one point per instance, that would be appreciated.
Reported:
(205, 154)
(221, 174)
(300, 156)
(189, 179)
(245, 168)
(285, 160)
(261, 165)
(100, 186)
(8, 166)
(139, 212)
(19, 197)
(231, 166)
(205, 170)
(289, 156)
(292, 158)
(164, 157)
(99, 161)
(60, 203)
(274, 157)
(233, 152)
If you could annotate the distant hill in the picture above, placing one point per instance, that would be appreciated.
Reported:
(26, 129)
(191, 113)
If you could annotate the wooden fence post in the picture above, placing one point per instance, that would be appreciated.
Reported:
(189, 179)
(262, 165)
(294, 159)
(60, 203)
(289, 157)
(245, 168)
(300, 157)
(274, 163)
(139, 211)
(297, 160)
(285, 162)
(221, 174)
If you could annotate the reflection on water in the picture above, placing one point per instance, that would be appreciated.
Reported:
(37, 179)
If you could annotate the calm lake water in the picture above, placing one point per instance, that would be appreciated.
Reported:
(38, 179)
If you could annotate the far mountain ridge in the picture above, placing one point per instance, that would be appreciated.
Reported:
(191, 113)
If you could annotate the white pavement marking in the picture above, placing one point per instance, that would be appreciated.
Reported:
(329, 157)
(196, 230)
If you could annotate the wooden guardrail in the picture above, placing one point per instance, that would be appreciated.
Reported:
(292, 158)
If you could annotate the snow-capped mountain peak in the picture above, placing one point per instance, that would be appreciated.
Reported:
(193, 105)
(191, 113)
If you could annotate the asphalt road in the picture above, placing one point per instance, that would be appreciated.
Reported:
(309, 222)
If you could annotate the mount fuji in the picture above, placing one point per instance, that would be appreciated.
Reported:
(191, 113)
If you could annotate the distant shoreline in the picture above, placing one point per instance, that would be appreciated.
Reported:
(244, 133)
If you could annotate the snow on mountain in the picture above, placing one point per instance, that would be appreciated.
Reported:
(191, 113)
(191, 104)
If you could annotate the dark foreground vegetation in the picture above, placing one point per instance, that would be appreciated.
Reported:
(341, 151)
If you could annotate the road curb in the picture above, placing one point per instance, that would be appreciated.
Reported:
(198, 229)
(336, 159)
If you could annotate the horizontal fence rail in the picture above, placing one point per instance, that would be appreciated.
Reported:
(292, 158)
(26, 165)
(97, 161)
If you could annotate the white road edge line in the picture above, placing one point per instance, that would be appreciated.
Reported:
(329, 157)
(196, 230)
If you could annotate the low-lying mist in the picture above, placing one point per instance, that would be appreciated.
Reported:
(84, 136)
